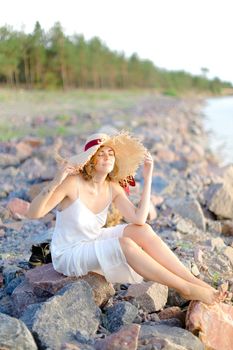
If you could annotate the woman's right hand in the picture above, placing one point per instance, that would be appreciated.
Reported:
(64, 171)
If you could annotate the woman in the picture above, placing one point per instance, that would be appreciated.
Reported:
(83, 189)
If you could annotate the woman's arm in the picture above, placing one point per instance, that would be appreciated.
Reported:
(52, 194)
(132, 214)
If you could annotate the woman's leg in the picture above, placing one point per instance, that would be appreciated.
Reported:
(152, 244)
(151, 270)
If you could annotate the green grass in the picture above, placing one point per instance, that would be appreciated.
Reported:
(20, 110)
(184, 245)
(8, 133)
(215, 279)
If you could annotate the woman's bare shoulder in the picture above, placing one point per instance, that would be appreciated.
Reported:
(71, 184)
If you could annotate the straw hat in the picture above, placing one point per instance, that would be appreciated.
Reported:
(129, 152)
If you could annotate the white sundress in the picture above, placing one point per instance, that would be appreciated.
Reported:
(79, 234)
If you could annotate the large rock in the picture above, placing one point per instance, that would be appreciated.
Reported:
(219, 199)
(190, 209)
(151, 296)
(72, 310)
(176, 336)
(15, 335)
(125, 339)
(213, 324)
(46, 281)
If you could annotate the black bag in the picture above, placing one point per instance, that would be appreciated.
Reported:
(40, 255)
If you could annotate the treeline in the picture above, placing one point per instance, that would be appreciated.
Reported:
(53, 60)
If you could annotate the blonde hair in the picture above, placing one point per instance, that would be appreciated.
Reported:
(88, 170)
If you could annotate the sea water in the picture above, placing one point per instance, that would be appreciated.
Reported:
(218, 122)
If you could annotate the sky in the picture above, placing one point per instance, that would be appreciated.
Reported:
(174, 34)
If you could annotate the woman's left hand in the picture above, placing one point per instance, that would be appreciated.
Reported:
(148, 166)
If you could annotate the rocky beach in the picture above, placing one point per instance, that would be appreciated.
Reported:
(191, 210)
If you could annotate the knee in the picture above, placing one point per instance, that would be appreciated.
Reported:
(145, 229)
(142, 228)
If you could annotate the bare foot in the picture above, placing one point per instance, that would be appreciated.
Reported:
(208, 296)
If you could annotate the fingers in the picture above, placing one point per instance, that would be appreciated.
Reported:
(148, 157)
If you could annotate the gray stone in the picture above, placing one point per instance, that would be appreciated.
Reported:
(151, 296)
(217, 243)
(157, 343)
(159, 184)
(219, 198)
(190, 209)
(70, 311)
(28, 316)
(174, 298)
(15, 335)
(175, 335)
(121, 314)
(10, 272)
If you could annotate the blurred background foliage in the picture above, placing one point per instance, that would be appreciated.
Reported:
(52, 60)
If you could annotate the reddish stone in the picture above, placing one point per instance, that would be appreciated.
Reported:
(24, 150)
(18, 207)
(213, 324)
(172, 312)
(44, 279)
(125, 339)
(102, 289)
(33, 141)
(227, 228)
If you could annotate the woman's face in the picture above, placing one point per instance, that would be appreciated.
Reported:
(104, 159)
